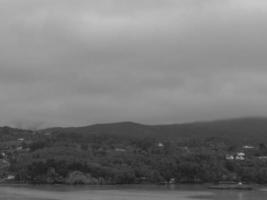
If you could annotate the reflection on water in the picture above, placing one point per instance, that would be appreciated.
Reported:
(124, 193)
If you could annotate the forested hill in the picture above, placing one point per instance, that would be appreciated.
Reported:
(130, 153)
(241, 129)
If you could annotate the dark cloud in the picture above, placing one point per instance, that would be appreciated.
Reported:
(69, 62)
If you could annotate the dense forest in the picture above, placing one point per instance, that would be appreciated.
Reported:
(129, 153)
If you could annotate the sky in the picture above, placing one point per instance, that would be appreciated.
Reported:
(80, 62)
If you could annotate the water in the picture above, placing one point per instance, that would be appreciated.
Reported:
(125, 193)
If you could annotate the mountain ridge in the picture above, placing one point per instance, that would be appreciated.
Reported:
(245, 129)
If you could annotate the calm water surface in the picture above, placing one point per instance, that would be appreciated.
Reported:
(126, 193)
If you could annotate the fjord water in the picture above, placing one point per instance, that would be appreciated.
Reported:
(125, 193)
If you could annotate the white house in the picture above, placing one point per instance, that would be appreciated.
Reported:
(240, 156)
(229, 157)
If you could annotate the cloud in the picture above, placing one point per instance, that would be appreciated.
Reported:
(67, 62)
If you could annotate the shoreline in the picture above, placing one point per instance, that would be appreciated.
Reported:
(131, 184)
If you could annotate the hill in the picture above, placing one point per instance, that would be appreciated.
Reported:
(127, 152)
(241, 129)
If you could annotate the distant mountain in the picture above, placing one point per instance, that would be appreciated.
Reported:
(248, 130)
(122, 129)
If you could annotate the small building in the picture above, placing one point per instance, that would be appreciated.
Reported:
(160, 145)
(240, 156)
(21, 139)
(262, 157)
(248, 147)
(172, 181)
(229, 157)
(19, 148)
(10, 177)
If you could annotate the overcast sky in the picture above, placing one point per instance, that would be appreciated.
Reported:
(79, 62)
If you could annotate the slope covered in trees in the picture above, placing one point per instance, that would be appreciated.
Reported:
(124, 153)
